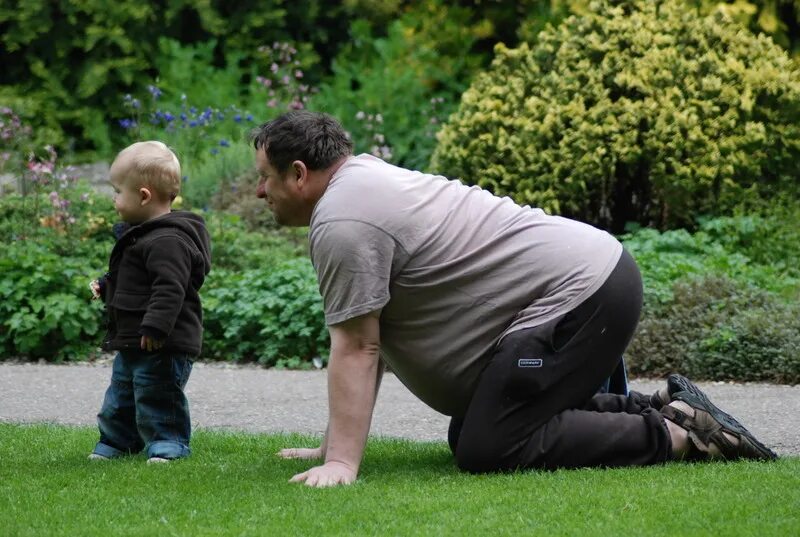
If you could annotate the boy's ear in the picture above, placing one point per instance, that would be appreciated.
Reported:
(145, 195)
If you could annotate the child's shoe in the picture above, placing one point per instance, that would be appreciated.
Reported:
(152, 460)
(98, 457)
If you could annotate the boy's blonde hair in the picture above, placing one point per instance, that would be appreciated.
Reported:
(151, 164)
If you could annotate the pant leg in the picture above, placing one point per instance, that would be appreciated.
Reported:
(162, 410)
(535, 407)
(633, 403)
(117, 418)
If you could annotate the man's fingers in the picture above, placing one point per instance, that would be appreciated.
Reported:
(299, 478)
(299, 453)
(289, 453)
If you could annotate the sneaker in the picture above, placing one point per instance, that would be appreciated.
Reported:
(98, 457)
(709, 425)
(675, 383)
(156, 460)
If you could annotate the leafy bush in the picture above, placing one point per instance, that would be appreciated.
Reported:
(638, 111)
(237, 248)
(66, 63)
(52, 244)
(45, 307)
(208, 129)
(272, 316)
(777, 18)
(717, 329)
(729, 247)
(392, 92)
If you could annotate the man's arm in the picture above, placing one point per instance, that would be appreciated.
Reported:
(353, 375)
(319, 452)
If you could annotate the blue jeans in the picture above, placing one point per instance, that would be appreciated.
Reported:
(617, 383)
(145, 407)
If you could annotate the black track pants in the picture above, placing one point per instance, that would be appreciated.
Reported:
(535, 404)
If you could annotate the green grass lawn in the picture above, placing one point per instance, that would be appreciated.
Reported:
(233, 484)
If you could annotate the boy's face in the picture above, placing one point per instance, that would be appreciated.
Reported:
(127, 199)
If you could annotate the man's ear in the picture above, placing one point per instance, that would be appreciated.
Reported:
(300, 173)
(145, 196)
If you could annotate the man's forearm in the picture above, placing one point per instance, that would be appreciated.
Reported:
(352, 388)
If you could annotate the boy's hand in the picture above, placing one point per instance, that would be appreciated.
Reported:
(151, 344)
(94, 285)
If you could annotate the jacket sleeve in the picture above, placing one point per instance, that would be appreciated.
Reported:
(102, 283)
(169, 263)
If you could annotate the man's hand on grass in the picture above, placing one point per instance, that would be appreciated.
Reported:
(301, 453)
(329, 474)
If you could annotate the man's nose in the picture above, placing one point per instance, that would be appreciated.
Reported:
(260, 190)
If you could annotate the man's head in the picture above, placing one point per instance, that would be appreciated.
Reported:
(295, 156)
(146, 177)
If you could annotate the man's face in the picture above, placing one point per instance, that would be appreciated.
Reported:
(281, 192)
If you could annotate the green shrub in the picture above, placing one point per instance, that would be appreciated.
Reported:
(638, 111)
(772, 240)
(45, 304)
(777, 18)
(717, 329)
(53, 241)
(235, 247)
(392, 92)
(755, 250)
(272, 316)
(67, 63)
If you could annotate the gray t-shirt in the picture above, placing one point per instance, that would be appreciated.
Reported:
(454, 269)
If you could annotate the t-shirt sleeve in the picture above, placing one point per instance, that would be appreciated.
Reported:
(353, 261)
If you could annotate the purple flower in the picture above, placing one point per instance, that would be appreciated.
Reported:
(224, 143)
(127, 123)
(154, 91)
(249, 117)
(237, 118)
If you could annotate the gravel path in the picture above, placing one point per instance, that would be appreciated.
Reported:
(260, 400)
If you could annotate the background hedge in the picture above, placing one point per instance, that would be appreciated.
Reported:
(636, 112)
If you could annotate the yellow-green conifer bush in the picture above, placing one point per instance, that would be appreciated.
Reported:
(636, 111)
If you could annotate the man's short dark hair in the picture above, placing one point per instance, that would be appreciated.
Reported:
(316, 139)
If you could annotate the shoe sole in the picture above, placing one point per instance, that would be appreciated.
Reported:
(728, 422)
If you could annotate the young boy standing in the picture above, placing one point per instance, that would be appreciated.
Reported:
(151, 289)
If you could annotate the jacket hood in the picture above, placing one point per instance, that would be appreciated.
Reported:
(192, 225)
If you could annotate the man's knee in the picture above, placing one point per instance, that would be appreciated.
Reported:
(478, 457)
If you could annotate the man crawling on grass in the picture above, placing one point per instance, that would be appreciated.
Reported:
(501, 316)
